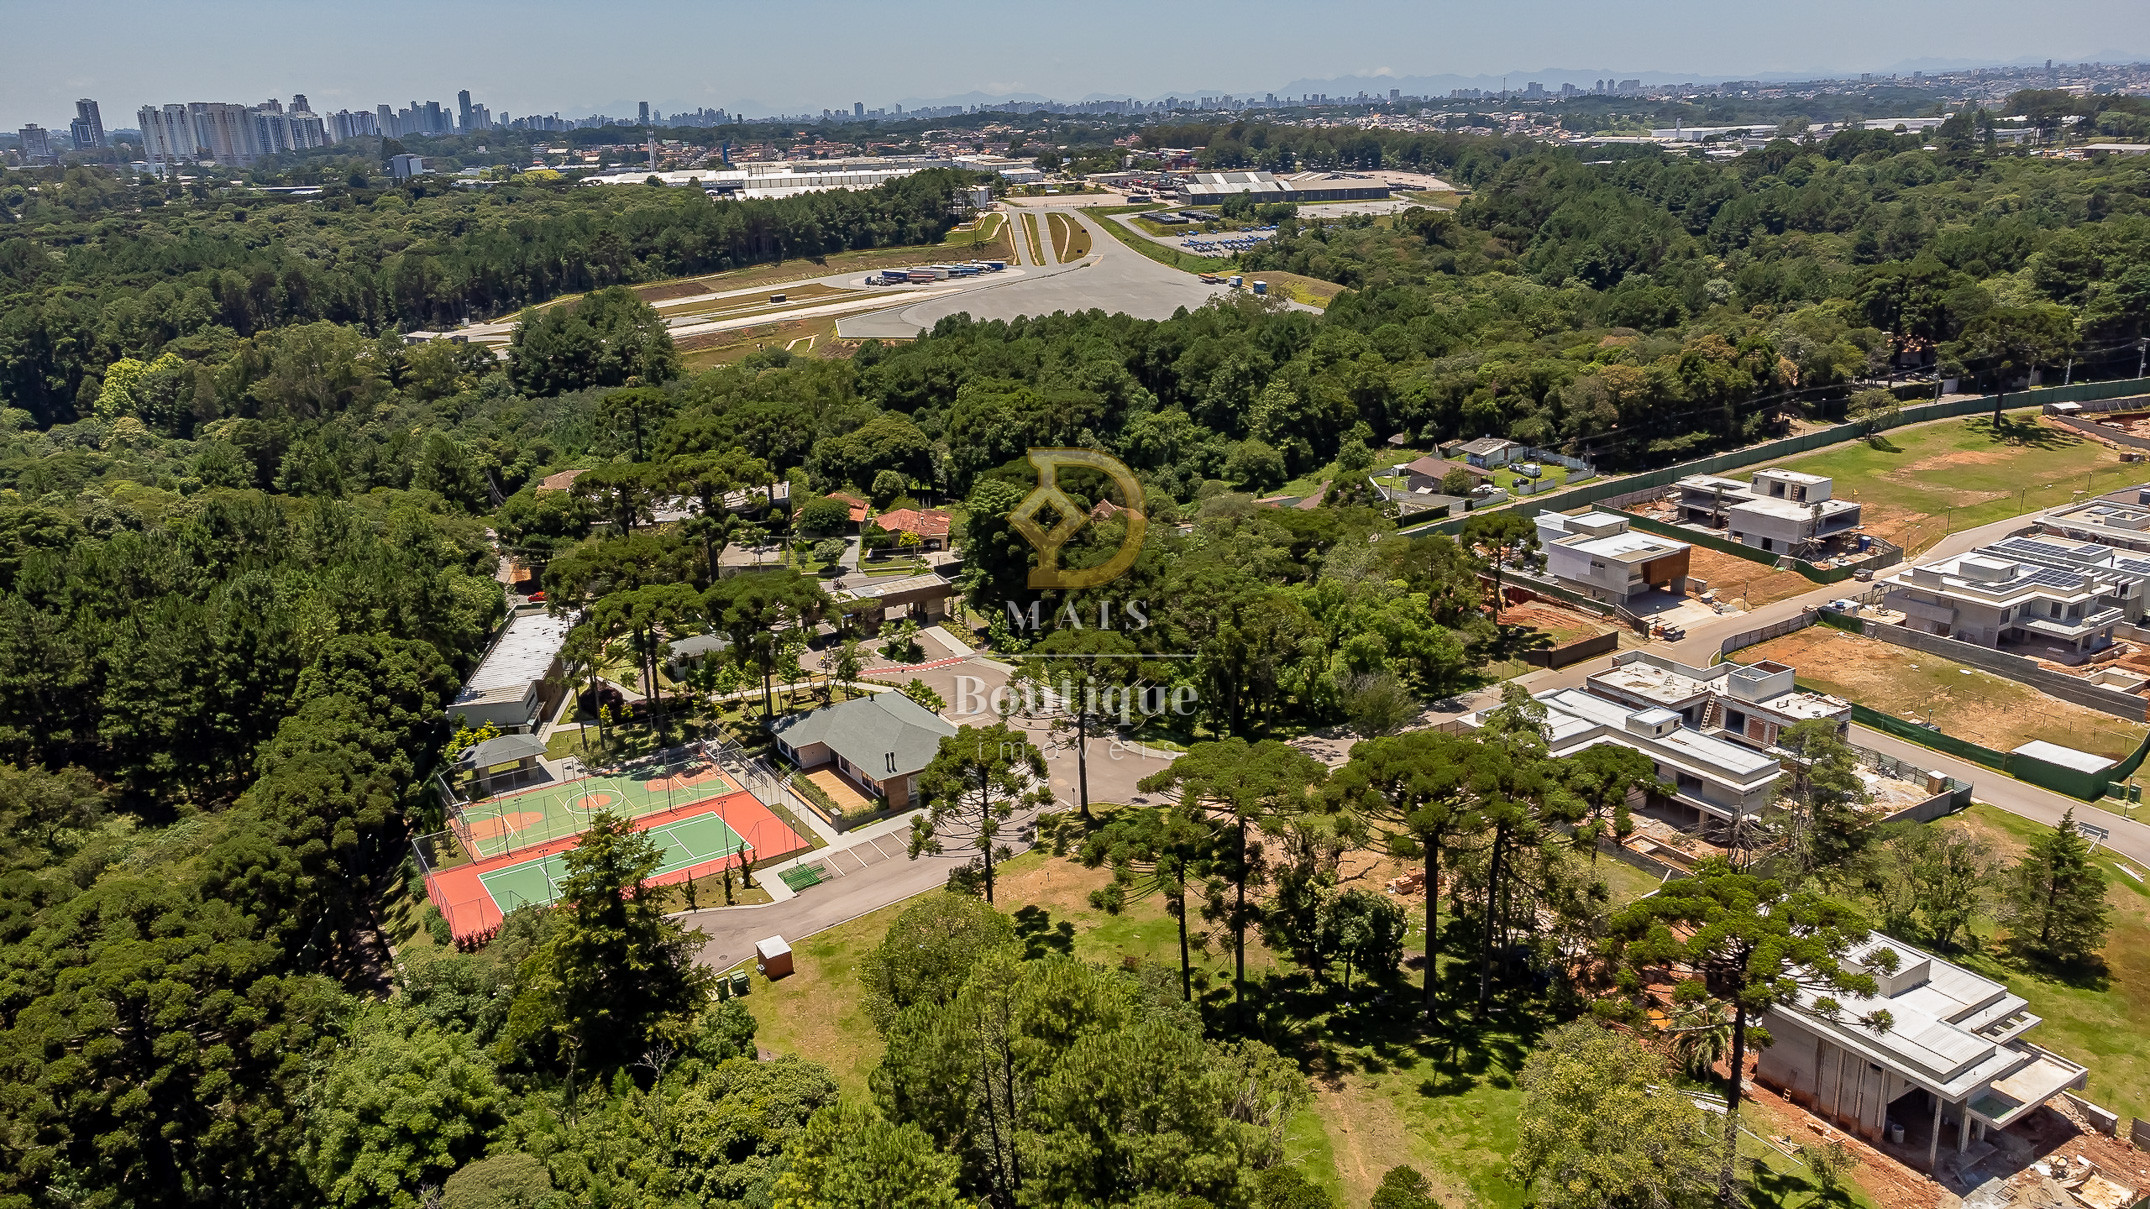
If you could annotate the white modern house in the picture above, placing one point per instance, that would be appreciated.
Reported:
(1991, 599)
(1749, 703)
(1776, 511)
(1719, 780)
(1596, 553)
(1951, 1060)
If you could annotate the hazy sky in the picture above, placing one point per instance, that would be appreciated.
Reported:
(577, 58)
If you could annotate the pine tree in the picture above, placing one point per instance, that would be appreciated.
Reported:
(2056, 898)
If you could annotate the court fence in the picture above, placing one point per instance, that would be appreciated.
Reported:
(560, 810)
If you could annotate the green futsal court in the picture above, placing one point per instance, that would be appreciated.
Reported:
(687, 843)
(498, 826)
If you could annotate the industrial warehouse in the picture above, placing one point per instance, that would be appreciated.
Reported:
(1212, 188)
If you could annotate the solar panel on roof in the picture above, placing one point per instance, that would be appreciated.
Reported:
(2053, 577)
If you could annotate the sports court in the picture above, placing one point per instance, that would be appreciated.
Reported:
(692, 841)
(516, 821)
(714, 826)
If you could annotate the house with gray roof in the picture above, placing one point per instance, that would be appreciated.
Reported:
(502, 761)
(1951, 1060)
(882, 741)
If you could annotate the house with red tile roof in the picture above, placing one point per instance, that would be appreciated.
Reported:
(930, 524)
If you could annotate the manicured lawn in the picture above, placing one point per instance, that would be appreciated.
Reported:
(2101, 1020)
(1921, 482)
(1965, 702)
(1030, 238)
(1550, 473)
(1071, 240)
(984, 240)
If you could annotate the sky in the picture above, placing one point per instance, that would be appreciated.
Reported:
(550, 56)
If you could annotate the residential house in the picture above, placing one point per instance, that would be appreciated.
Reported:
(1994, 600)
(1596, 553)
(1750, 703)
(2127, 570)
(930, 525)
(1429, 472)
(1488, 453)
(920, 598)
(881, 742)
(2106, 521)
(1719, 781)
(1951, 1055)
(1778, 511)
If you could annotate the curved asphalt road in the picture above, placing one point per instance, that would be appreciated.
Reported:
(1112, 278)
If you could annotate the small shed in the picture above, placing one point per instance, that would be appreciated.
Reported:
(772, 957)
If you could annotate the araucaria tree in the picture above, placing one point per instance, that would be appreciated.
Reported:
(2055, 904)
(972, 788)
(1748, 941)
(1240, 785)
(616, 975)
(1412, 794)
(1153, 851)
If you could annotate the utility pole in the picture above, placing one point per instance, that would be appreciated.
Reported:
(2142, 348)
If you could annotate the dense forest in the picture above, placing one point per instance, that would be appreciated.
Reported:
(244, 562)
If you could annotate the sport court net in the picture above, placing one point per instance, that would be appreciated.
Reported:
(694, 841)
(531, 818)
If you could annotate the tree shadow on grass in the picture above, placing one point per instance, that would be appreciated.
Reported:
(1034, 926)
(2023, 432)
(1771, 1189)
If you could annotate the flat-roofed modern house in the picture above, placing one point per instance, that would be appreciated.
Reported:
(1750, 703)
(2105, 521)
(1952, 1056)
(518, 681)
(1596, 553)
(1719, 780)
(2127, 570)
(882, 741)
(1997, 601)
(1777, 511)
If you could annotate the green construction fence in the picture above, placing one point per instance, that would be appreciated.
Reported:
(2089, 786)
(1914, 413)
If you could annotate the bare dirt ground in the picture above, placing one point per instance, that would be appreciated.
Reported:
(1736, 579)
(1980, 707)
(1561, 625)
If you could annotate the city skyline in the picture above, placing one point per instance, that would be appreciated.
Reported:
(691, 57)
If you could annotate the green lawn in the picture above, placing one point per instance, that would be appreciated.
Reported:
(2101, 1020)
(1921, 482)
(1553, 474)
(1171, 257)
(1384, 1092)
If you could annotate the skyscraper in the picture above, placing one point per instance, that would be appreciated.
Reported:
(36, 144)
(88, 126)
(384, 117)
(462, 110)
(858, 109)
(643, 118)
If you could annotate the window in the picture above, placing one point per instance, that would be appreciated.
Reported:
(1768, 544)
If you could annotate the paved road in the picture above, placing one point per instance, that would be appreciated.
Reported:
(2130, 839)
(1112, 278)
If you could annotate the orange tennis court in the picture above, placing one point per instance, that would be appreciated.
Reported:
(700, 839)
